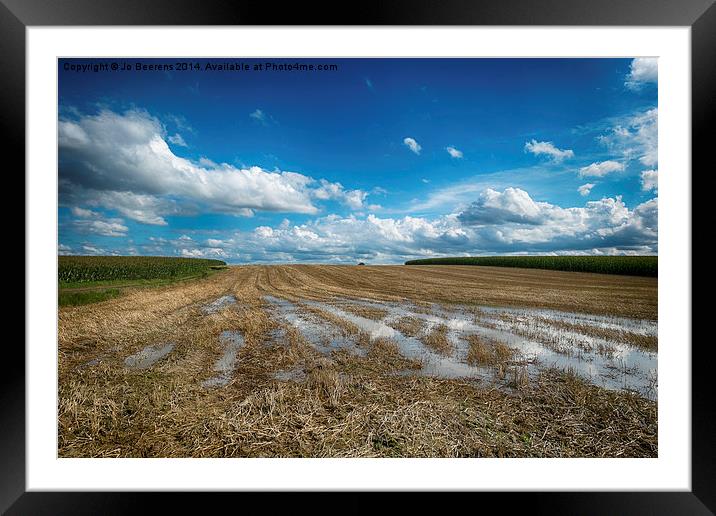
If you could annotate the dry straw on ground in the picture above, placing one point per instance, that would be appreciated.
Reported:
(343, 405)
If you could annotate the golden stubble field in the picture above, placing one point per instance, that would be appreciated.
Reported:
(363, 361)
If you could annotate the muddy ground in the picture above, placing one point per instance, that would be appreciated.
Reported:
(385, 361)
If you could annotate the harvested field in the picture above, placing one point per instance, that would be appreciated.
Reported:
(371, 361)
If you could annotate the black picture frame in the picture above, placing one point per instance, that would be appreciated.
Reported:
(17, 15)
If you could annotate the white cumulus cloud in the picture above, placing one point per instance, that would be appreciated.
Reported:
(454, 153)
(517, 222)
(261, 117)
(84, 213)
(650, 180)
(102, 227)
(585, 189)
(207, 252)
(412, 145)
(92, 222)
(643, 70)
(123, 162)
(548, 149)
(511, 205)
(335, 191)
(601, 168)
(502, 222)
(635, 137)
(177, 139)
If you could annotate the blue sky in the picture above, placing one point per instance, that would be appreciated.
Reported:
(376, 160)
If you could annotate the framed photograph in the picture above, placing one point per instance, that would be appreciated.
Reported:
(423, 248)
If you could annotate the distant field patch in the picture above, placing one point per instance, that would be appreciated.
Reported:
(89, 269)
(626, 265)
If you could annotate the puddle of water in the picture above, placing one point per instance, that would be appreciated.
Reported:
(148, 356)
(89, 363)
(410, 347)
(232, 341)
(322, 335)
(535, 334)
(98, 360)
(219, 304)
(607, 322)
(297, 374)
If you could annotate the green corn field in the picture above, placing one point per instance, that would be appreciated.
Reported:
(626, 265)
(81, 269)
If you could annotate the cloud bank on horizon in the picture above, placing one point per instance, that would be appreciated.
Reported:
(504, 156)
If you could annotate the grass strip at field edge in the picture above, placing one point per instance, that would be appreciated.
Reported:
(100, 291)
